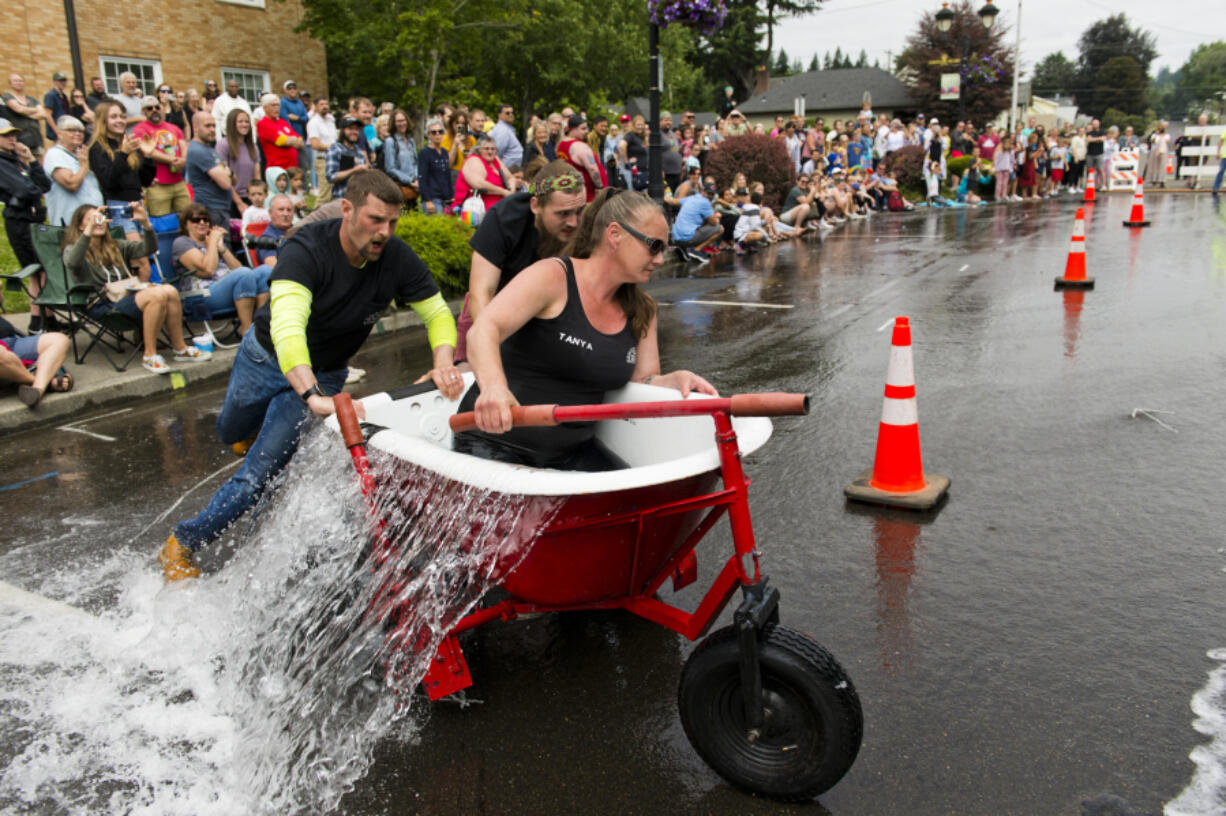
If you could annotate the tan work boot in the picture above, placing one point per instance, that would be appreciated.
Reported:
(240, 448)
(177, 561)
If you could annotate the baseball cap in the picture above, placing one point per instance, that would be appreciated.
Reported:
(6, 127)
(348, 121)
(934, 121)
(919, 116)
(709, 189)
(148, 102)
(289, 83)
(58, 76)
(625, 117)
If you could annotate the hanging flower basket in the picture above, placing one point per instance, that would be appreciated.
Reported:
(704, 16)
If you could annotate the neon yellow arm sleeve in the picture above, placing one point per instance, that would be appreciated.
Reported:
(290, 303)
(440, 325)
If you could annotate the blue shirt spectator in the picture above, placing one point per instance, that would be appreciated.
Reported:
(510, 151)
(695, 210)
(434, 168)
(201, 158)
(56, 101)
(294, 110)
(400, 158)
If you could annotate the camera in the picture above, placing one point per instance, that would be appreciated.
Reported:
(119, 210)
(263, 242)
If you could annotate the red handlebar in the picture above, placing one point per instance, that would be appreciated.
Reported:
(769, 404)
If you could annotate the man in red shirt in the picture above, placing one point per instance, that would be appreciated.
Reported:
(168, 193)
(279, 142)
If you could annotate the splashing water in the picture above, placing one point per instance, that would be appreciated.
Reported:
(265, 688)
(1206, 794)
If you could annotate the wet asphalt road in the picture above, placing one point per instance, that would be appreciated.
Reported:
(1031, 647)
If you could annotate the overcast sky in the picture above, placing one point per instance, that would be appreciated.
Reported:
(879, 26)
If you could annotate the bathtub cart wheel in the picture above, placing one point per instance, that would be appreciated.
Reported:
(811, 722)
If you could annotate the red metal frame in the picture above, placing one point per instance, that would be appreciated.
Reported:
(449, 673)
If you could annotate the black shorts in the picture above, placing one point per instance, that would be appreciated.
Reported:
(126, 307)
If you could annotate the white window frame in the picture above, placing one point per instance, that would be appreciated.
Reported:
(127, 63)
(247, 73)
(248, 3)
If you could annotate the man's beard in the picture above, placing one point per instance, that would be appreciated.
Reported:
(548, 245)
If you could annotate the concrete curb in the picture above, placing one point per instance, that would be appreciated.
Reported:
(98, 385)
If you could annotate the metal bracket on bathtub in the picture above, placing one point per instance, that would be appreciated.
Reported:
(759, 607)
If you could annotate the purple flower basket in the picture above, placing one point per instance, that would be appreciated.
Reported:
(704, 16)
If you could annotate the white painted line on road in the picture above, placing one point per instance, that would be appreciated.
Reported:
(839, 310)
(964, 267)
(886, 325)
(881, 289)
(739, 303)
(72, 426)
(21, 600)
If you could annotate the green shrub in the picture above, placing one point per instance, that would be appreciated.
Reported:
(907, 165)
(958, 166)
(442, 242)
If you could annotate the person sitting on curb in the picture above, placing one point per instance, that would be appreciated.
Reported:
(93, 258)
(43, 352)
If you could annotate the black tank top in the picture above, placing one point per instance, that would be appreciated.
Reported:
(562, 360)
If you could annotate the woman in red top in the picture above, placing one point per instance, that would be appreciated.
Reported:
(483, 172)
(574, 151)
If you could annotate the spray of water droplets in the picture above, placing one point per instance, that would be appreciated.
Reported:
(264, 688)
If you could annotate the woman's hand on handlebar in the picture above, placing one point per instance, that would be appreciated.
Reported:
(685, 382)
(492, 410)
(448, 379)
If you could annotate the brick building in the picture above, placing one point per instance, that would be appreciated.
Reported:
(179, 42)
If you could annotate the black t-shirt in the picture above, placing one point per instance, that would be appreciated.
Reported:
(507, 237)
(1094, 148)
(345, 301)
(635, 149)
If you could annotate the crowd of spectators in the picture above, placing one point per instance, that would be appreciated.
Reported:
(213, 159)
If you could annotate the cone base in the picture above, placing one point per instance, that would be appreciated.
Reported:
(934, 490)
(1070, 283)
(1136, 223)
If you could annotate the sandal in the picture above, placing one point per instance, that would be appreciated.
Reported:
(61, 383)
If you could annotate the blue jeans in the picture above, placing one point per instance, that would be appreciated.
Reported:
(237, 284)
(1221, 171)
(259, 398)
(438, 206)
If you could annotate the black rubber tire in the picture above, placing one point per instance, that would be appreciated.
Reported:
(814, 722)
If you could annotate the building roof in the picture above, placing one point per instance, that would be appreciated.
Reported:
(832, 89)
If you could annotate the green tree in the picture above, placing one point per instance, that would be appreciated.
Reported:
(838, 58)
(827, 63)
(813, 65)
(990, 64)
(733, 54)
(781, 66)
(862, 60)
(1202, 77)
(1103, 41)
(776, 10)
(1055, 75)
(1120, 84)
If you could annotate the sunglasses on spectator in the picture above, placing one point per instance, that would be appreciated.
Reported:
(654, 245)
(165, 90)
(199, 219)
(433, 132)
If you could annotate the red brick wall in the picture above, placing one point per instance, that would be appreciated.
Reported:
(191, 38)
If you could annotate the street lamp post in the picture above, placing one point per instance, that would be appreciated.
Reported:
(945, 21)
(655, 148)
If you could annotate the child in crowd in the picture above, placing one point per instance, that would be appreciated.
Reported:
(297, 191)
(518, 185)
(257, 192)
(749, 230)
(932, 177)
(1004, 167)
(1057, 161)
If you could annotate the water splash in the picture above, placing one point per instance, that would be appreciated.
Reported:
(264, 688)
(1205, 795)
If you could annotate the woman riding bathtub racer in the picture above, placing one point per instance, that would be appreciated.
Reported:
(565, 331)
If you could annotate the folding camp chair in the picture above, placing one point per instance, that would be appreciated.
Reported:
(71, 302)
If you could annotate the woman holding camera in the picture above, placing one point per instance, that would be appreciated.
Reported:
(93, 258)
(458, 140)
(124, 167)
(201, 259)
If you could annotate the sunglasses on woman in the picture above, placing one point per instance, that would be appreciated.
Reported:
(200, 219)
(654, 245)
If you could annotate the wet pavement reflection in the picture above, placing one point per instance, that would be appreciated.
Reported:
(1031, 646)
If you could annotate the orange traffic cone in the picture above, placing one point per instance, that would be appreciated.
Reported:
(898, 477)
(1170, 164)
(1089, 199)
(1137, 217)
(1075, 267)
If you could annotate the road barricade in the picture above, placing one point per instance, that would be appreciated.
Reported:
(1125, 168)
